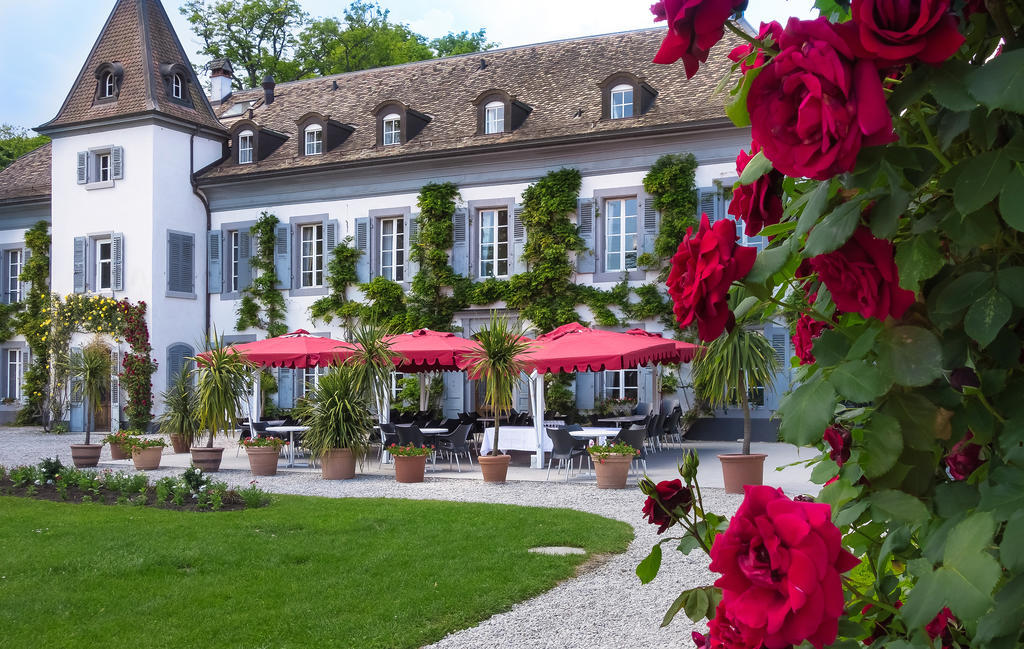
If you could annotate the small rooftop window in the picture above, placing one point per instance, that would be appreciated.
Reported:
(238, 108)
(176, 86)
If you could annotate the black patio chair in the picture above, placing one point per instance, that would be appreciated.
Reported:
(410, 434)
(635, 436)
(642, 408)
(389, 436)
(563, 449)
(456, 443)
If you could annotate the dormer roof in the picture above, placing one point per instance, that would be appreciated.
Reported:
(138, 37)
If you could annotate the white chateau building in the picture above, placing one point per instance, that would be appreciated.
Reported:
(151, 186)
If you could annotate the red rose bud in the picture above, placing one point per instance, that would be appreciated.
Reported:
(863, 278)
(901, 31)
(964, 458)
(817, 103)
(807, 331)
(699, 640)
(705, 266)
(740, 54)
(939, 627)
(964, 377)
(758, 204)
(840, 440)
(672, 495)
(694, 26)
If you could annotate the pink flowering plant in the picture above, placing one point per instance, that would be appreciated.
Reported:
(886, 169)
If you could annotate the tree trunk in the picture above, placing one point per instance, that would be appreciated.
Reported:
(742, 393)
(497, 426)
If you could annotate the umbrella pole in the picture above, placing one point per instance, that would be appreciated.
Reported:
(255, 402)
(424, 396)
(537, 394)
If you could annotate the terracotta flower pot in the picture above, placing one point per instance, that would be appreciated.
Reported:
(612, 471)
(410, 468)
(739, 470)
(86, 455)
(338, 464)
(147, 459)
(179, 444)
(207, 459)
(494, 467)
(118, 452)
(263, 459)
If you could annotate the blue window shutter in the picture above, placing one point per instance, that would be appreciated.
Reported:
(83, 167)
(244, 254)
(79, 264)
(285, 385)
(25, 286)
(412, 235)
(708, 203)
(330, 240)
(362, 242)
(518, 240)
(454, 384)
(586, 261)
(644, 379)
(585, 385)
(460, 242)
(180, 262)
(117, 261)
(214, 262)
(649, 224)
(177, 355)
(282, 255)
(116, 163)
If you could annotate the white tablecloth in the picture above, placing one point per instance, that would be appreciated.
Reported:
(514, 438)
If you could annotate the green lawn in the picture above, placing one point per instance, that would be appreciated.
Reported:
(304, 572)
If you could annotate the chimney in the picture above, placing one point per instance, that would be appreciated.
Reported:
(220, 80)
(268, 90)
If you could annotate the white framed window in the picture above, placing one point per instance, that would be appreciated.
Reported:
(14, 261)
(103, 166)
(622, 384)
(392, 249)
(314, 140)
(177, 84)
(622, 101)
(311, 379)
(245, 147)
(235, 259)
(104, 258)
(392, 129)
(494, 117)
(620, 234)
(396, 385)
(108, 85)
(494, 243)
(15, 369)
(312, 256)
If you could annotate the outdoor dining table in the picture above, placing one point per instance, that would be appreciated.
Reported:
(623, 419)
(291, 430)
(599, 435)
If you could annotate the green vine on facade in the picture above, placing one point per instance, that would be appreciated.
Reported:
(341, 274)
(262, 294)
(36, 274)
(672, 182)
(437, 292)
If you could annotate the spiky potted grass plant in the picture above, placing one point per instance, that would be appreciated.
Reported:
(339, 421)
(89, 371)
(222, 380)
(178, 420)
(498, 362)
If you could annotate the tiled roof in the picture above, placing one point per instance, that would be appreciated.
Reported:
(27, 177)
(556, 79)
(139, 36)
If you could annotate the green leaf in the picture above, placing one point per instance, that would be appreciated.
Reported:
(987, 316)
(835, 229)
(696, 605)
(883, 444)
(910, 356)
(847, 515)
(830, 348)
(864, 342)
(1000, 82)
(745, 306)
(648, 569)
(885, 215)
(980, 180)
(688, 544)
(913, 87)
(824, 471)
(676, 606)
(859, 381)
(1003, 492)
(816, 202)
(1011, 201)
(948, 86)
(895, 541)
(1004, 618)
(1011, 283)
(916, 415)
(769, 262)
(1011, 550)
(736, 110)
(962, 291)
(758, 166)
(919, 258)
(838, 493)
(807, 411)
(899, 506)
(779, 228)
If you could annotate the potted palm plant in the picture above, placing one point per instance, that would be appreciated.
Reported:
(339, 421)
(178, 420)
(498, 361)
(90, 374)
(222, 380)
(731, 364)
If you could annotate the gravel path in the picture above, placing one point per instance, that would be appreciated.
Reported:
(606, 607)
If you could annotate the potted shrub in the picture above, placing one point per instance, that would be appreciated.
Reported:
(90, 371)
(146, 453)
(498, 362)
(178, 420)
(222, 379)
(263, 453)
(731, 364)
(120, 444)
(611, 464)
(410, 462)
(339, 421)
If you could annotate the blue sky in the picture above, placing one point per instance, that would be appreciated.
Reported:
(43, 43)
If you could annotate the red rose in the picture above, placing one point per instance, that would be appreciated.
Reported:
(700, 640)
(939, 627)
(780, 562)
(807, 331)
(840, 440)
(740, 53)
(816, 104)
(694, 26)
(863, 278)
(725, 632)
(964, 458)
(900, 31)
(672, 495)
(705, 266)
(758, 204)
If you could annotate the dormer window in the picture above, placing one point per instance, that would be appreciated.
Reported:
(176, 78)
(108, 82)
(314, 139)
(245, 147)
(392, 133)
(108, 85)
(494, 117)
(622, 101)
(177, 83)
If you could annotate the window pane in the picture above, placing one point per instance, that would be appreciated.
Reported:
(487, 268)
(503, 267)
(614, 208)
(631, 206)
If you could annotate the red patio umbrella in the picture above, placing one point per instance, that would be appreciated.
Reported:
(297, 349)
(425, 350)
(686, 351)
(575, 348)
